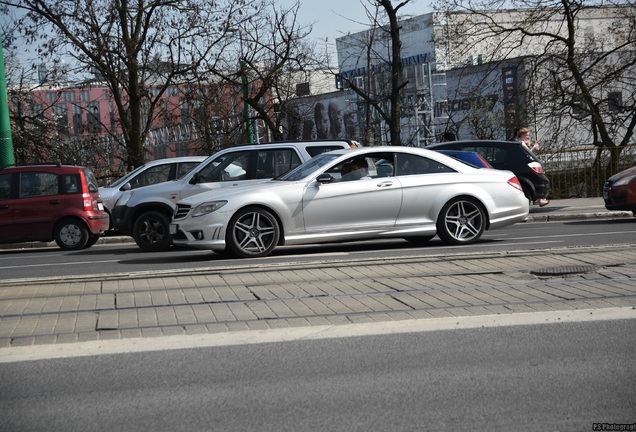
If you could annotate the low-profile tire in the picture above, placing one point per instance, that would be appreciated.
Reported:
(461, 221)
(151, 232)
(92, 239)
(71, 234)
(418, 240)
(252, 232)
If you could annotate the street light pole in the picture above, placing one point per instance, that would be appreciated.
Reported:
(246, 106)
(6, 142)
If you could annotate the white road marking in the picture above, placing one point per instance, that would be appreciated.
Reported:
(132, 345)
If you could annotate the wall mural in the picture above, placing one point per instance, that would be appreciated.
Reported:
(323, 119)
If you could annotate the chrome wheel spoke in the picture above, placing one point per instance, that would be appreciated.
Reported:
(254, 232)
(464, 221)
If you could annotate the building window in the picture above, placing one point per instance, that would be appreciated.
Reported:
(302, 89)
(614, 101)
(77, 120)
(68, 96)
(578, 106)
(60, 112)
(93, 118)
(111, 116)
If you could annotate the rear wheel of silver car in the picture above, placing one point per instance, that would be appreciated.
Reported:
(151, 231)
(71, 234)
(252, 232)
(461, 221)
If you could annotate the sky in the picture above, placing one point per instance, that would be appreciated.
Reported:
(334, 18)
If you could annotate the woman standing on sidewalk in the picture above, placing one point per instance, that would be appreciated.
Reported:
(523, 135)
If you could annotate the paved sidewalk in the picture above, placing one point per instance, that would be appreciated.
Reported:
(246, 297)
(573, 209)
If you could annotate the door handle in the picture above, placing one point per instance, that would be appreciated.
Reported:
(4, 206)
(385, 184)
(54, 202)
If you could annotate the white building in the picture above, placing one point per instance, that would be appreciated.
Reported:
(451, 76)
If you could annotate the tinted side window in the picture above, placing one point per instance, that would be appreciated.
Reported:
(5, 186)
(185, 167)
(35, 184)
(493, 155)
(154, 175)
(408, 164)
(227, 167)
(71, 184)
(274, 162)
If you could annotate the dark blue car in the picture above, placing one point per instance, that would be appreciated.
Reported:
(471, 158)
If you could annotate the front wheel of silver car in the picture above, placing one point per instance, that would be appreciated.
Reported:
(151, 231)
(461, 221)
(71, 234)
(252, 232)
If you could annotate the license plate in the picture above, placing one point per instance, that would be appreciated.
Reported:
(100, 206)
(173, 229)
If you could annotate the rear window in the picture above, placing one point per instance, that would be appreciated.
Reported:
(316, 150)
(91, 180)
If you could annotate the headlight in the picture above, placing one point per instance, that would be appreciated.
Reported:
(124, 198)
(625, 180)
(207, 207)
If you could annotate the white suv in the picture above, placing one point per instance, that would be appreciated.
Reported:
(145, 213)
(152, 172)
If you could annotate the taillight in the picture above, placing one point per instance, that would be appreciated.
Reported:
(536, 167)
(514, 182)
(88, 201)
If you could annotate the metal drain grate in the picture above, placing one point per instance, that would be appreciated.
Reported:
(565, 270)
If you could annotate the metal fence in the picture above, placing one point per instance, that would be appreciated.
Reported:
(581, 173)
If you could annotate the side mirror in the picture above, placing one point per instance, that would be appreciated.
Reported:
(324, 178)
(126, 187)
(194, 179)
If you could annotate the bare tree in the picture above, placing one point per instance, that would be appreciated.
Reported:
(132, 47)
(383, 81)
(579, 78)
(265, 59)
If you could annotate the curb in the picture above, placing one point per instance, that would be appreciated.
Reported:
(577, 216)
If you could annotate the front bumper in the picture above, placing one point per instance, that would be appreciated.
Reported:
(619, 198)
(122, 219)
(198, 237)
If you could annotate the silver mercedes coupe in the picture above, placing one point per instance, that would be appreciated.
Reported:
(354, 194)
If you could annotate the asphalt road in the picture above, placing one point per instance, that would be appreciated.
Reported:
(530, 329)
(115, 258)
(555, 377)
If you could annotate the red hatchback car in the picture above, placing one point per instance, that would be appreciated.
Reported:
(619, 191)
(45, 202)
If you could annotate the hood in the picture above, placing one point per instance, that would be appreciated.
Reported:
(228, 192)
(628, 172)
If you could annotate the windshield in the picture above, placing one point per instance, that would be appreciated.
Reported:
(305, 169)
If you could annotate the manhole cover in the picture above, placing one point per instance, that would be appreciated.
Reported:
(564, 270)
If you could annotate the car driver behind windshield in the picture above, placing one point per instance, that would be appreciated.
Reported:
(359, 170)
